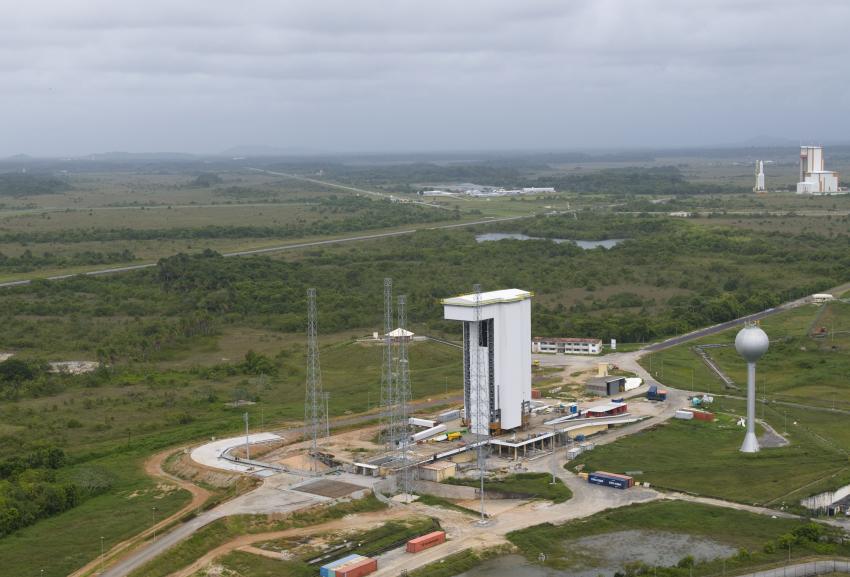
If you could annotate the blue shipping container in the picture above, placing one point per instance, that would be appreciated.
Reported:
(328, 570)
(606, 481)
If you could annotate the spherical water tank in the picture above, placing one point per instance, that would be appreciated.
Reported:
(751, 343)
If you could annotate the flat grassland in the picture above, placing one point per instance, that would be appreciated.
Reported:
(758, 538)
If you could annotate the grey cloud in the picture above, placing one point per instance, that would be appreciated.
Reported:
(370, 75)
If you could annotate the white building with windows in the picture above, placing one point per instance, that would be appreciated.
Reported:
(496, 357)
(569, 346)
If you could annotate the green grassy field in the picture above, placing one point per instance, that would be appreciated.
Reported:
(122, 423)
(531, 485)
(757, 537)
(703, 458)
(61, 544)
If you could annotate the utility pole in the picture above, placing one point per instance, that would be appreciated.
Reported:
(153, 522)
(388, 421)
(247, 438)
(327, 419)
(101, 555)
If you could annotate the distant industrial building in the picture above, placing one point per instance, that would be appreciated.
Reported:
(436, 193)
(569, 346)
(759, 186)
(496, 356)
(813, 178)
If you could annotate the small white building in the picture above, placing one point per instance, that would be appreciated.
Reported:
(496, 356)
(822, 297)
(566, 346)
(537, 190)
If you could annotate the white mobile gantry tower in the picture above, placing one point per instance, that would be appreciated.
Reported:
(496, 338)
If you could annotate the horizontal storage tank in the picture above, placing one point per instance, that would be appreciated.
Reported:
(328, 570)
(684, 415)
(427, 423)
(428, 433)
(425, 541)
(448, 416)
(358, 568)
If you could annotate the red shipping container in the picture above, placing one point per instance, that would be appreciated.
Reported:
(423, 542)
(536, 394)
(703, 415)
(357, 568)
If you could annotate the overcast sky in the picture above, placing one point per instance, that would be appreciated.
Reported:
(360, 75)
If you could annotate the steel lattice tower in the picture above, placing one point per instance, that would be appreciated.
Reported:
(403, 396)
(388, 416)
(314, 405)
(480, 382)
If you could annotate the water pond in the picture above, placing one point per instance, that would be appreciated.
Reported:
(585, 244)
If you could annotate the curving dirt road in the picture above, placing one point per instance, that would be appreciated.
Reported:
(153, 468)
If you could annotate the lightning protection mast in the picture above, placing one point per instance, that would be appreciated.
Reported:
(403, 397)
(387, 386)
(314, 405)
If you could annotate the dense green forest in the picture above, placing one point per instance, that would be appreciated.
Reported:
(28, 261)
(635, 181)
(631, 181)
(28, 184)
(32, 487)
(670, 277)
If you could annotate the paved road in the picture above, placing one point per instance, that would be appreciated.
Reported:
(272, 249)
(697, 334)
(383, 195)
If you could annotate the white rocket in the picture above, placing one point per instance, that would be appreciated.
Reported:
(759, 187)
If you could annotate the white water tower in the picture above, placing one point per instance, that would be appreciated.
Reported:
(751, 343)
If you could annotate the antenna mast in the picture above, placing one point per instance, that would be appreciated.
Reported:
(314, 405)
(387, 388)
(403, 398)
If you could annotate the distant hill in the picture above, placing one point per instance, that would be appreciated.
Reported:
(262, 150)
(140, 156)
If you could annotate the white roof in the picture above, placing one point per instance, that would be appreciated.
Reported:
(605, 408)
(489, 298)
(399, 332)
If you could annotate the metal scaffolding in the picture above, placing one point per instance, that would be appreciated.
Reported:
(403, 395)
(315, 413)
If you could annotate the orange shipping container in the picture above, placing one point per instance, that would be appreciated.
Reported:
(429, 540)
(536, 394)
(703, 415)
(357, 568)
